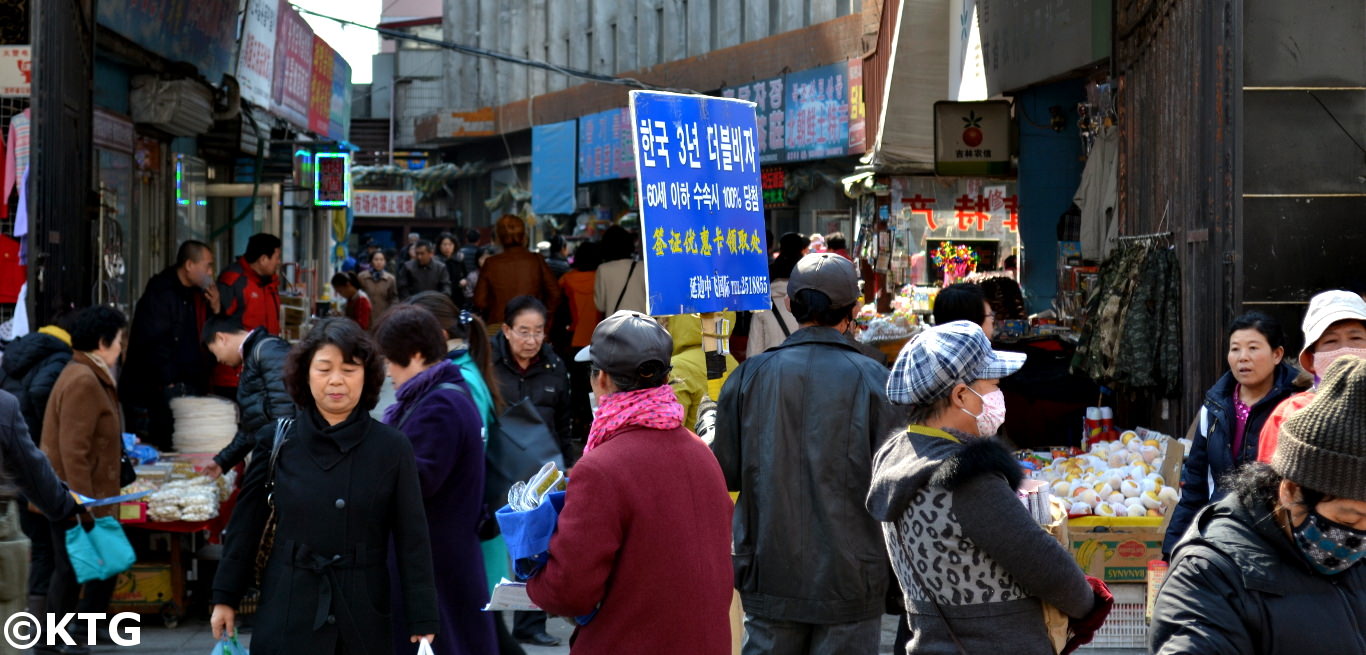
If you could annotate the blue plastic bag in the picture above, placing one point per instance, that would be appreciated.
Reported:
(101, 553)
(528, 533)
(229, 646)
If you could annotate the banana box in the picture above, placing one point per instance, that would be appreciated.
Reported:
(1117, 549)
(143, 587)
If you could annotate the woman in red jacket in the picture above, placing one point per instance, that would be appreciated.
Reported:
(663, 542)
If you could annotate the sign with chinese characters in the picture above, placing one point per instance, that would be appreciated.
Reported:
(770, 129)
(972, 138)
(256, 58)
(817, 113)
(858, 112)
(332, 179)
(773, 181)
(605, 146)
(384, 204)
(292, 84)
(16, 70)
(320, 88)
(936, 208)
(701, 207)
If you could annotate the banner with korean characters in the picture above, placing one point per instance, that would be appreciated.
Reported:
(701, 207)
(817, 113)
(605, 146)
(384, 204)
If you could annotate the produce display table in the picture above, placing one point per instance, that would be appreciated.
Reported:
(153, 598)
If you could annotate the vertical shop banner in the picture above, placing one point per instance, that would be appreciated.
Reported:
(605, 146)
(339, 124)
(817, 113)
(701, 208)
(200, 32)
(293, 76)
(770, 121)
(320, 87)
(858, 112)
(256, 59)
(552, 167)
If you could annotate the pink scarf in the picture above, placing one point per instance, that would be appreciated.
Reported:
(655, 408)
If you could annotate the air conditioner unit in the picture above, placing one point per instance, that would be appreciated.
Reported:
(179, 107)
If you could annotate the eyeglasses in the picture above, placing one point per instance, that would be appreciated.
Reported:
(529, 335)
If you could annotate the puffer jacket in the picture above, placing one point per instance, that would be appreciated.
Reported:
(947, 502)
(261, 393)
(1237, 584)
(1211, 455)
(30, 369)
(546, 384)
(796, 430)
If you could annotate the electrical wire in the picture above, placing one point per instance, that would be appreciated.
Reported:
(1338, 122)
(499, 56)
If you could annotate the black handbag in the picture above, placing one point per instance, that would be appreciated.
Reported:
(127, 473)
(520, 443)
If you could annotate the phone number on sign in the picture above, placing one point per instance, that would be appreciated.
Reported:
(703, 287)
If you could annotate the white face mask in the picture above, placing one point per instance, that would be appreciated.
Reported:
(993, 414)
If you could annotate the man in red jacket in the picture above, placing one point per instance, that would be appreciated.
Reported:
(645, 530)
(250, 292)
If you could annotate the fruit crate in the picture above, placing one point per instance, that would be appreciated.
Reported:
(1125, 629)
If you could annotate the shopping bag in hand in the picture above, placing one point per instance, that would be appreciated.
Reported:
(424, 647)
(229, 646)
(528, 533)
(101, 553)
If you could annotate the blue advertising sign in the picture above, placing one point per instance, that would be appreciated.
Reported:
(701, 209)
(817, 113)
(605, 146)
(552, 168)
(200, 32)
(767, 96)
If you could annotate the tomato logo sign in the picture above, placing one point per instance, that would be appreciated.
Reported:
(1131, 549)
(972, 131)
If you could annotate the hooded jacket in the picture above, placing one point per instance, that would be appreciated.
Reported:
(30, 369)
(796, 430)
(948, 506)
(1237, 584)
(1211, 455)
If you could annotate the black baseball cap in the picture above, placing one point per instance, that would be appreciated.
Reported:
(625, 341)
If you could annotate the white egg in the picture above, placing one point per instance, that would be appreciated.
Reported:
(1155, 477)
(1136, 511)
(1115, 497)
(1130, 488)
(1127, 436)
(1106, 509)
(1168, 495)
(1117, 460)
(1120, 508)
(1115, 479)
(1134, 502)
(1158, 462)
(1137, 472)
(1078, 508)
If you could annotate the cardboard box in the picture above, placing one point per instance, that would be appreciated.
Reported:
(1117, 549)
(143, 586)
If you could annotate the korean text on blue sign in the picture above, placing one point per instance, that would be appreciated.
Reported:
(701, 210)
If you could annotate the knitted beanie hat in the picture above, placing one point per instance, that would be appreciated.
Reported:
(1323, 446)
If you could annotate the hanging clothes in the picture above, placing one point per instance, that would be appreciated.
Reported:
(1098, 195)
(12, 273)
(1132, 337)
(16, 152)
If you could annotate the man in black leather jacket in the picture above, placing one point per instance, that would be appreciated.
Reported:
(796, 431)
(261, 393)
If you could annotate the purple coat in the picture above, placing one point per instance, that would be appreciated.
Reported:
(445, 428)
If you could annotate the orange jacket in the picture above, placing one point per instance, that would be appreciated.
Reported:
(583, 313)
(1271, 430)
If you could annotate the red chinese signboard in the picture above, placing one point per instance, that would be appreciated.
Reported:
(291, 89)
(387, 204)
(320, 89)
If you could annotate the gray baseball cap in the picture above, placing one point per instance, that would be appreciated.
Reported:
(827, 273)
(624, 341)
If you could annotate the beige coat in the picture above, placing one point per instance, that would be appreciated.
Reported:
(82, 431)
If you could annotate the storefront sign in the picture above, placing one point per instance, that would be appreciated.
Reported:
(773, 181)
(332, 179)
(771, 128)
(552, 166)
(937, 208)
(817, 113)
(320, 88)
(112, 131)
(701, 211)
(605, 146)
(256, 59)
(858, 112)
(339, 124)
(291, 86)
(972, 138)
(384, 204)
(16, 70)
(455, 125)
(200, 32)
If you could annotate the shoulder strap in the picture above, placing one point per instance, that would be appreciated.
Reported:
(282, 430)
(624, 286)
(782, 325)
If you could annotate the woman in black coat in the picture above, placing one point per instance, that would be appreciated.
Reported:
(345, 487)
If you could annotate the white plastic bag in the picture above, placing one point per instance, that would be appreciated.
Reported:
(424, 647)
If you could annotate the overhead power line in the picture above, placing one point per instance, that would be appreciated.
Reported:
(499, 56)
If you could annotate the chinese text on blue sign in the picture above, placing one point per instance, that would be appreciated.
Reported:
(702, 213)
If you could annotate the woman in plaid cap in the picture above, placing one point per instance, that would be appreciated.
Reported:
(974, 566)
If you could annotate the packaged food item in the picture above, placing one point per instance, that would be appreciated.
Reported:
(184, 500)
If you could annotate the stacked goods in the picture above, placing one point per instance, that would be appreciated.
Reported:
(203, 424)
(184, 500)
(1120, 478)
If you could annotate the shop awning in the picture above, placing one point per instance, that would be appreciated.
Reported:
(917, 78)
